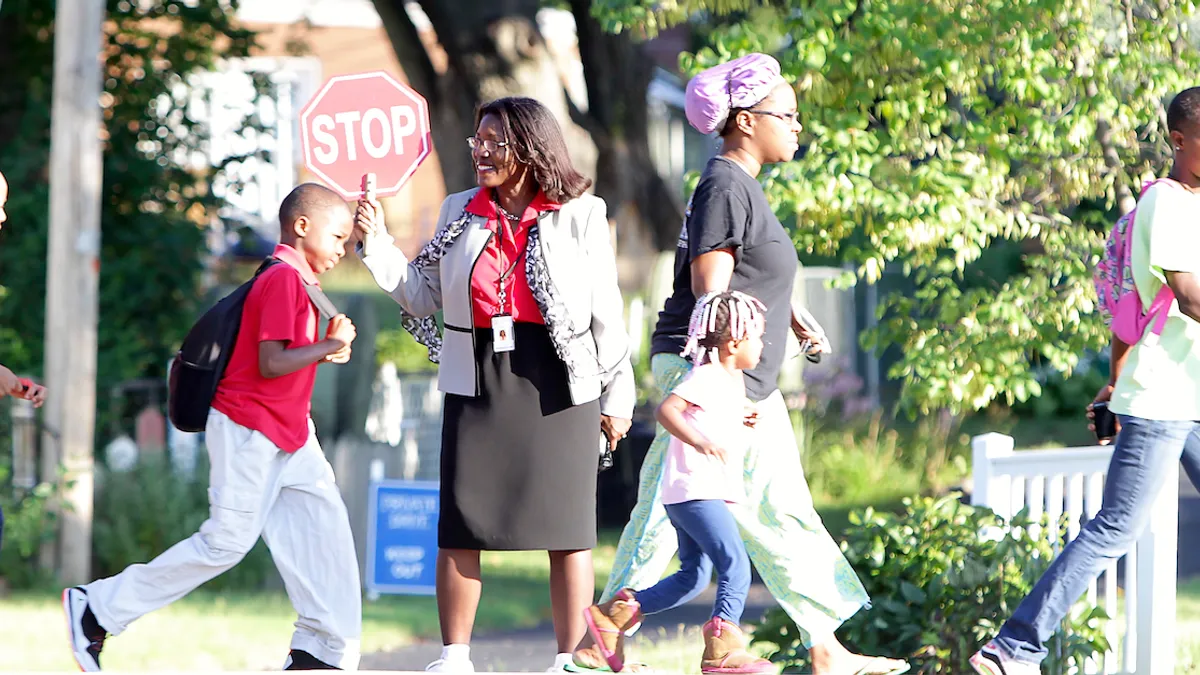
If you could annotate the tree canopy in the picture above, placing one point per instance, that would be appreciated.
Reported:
(156, 204)
(940, 132)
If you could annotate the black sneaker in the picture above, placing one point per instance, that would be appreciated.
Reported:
(84, 632)
(301, 660)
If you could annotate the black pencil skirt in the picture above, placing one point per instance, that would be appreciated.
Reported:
(519, 461)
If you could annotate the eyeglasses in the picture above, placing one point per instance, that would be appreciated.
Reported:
(488, 145)
(786, 117)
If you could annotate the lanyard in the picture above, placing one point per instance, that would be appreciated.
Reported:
(501, 286)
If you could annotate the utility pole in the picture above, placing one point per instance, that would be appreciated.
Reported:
(72, 276)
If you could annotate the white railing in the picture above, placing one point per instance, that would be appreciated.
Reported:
(1071, 481)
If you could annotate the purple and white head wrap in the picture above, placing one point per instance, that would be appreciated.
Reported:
(740, 83)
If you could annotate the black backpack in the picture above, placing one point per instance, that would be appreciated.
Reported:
(200, 362)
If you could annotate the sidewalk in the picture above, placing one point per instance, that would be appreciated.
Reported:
(533, 650)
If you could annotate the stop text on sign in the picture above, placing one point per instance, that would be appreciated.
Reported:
(378, 132)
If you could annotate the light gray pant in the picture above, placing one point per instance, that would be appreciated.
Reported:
(292, 501)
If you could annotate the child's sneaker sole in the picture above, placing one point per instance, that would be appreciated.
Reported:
(985, 666)
(987, 662)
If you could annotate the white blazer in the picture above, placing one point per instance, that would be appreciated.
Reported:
(580, 261)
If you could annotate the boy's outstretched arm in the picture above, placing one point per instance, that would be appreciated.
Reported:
(11, 385)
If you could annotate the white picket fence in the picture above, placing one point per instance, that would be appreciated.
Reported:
(1071, 481)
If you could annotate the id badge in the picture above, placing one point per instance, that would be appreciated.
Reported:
(502, 333)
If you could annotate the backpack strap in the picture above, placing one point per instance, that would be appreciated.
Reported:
(324, 305)
(1128, 244)
(1160, 307)
(1151, 183)
(320, 301)
(269, 262)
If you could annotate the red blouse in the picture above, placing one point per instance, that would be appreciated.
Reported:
(505, 251)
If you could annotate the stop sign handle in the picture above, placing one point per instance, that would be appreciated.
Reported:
(368, 187)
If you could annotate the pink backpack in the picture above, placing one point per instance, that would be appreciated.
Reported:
(1120, 304)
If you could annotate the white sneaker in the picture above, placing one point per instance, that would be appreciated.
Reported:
(86, 635)
(451, 666)
(990, 660)
(561, 662)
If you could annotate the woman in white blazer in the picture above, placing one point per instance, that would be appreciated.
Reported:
(533, 359)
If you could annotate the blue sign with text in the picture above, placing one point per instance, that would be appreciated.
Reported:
(402, 537)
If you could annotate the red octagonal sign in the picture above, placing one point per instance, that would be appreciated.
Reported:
(365, 123)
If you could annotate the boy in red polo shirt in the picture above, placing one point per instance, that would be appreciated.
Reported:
(269, 476)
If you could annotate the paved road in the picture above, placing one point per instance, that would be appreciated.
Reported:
(533, 650)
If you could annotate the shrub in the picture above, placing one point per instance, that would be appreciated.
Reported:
(155, 206)
(855, 453)
(943, 576)
(395, 345)
(28, 521)
(1066, 395)
(27, 525)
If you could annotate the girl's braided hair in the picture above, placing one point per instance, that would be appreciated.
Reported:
(718, 318)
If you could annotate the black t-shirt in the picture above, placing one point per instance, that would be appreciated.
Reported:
(728, 210)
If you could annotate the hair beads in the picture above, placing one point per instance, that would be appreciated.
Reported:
(718, 318)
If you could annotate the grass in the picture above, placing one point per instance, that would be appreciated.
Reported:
(1187, 628)
(250, 631)
(678, 650)
(253, 629)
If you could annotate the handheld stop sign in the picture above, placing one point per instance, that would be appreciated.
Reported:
(365, 134)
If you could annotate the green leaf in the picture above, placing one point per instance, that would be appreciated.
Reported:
(953, 145)
(911, 593)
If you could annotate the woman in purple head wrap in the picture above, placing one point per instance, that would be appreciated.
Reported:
(732, 240)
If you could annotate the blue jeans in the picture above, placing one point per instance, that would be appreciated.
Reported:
(1145, 452)
(708, 537)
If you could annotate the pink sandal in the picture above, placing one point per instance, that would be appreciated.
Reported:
(602, 635)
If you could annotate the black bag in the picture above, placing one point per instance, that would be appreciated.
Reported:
(200, 362)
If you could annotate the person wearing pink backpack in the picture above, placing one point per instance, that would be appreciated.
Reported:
(1156, 395)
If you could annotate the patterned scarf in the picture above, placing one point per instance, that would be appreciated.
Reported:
(554, 313)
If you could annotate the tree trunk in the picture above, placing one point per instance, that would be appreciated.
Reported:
(450, 101)
(1126, 202)
(494, 48)
(618, 74)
